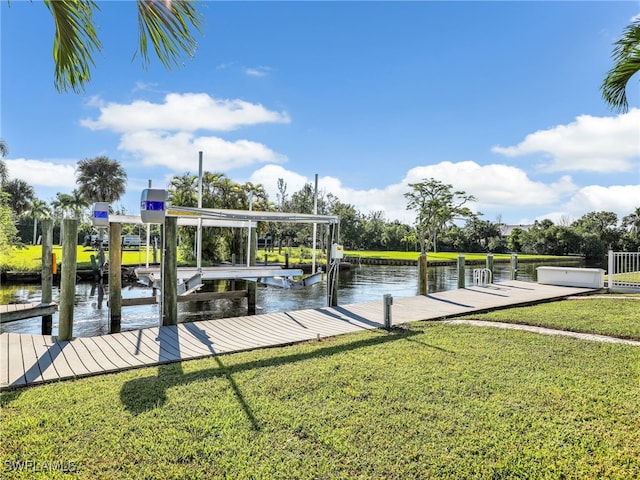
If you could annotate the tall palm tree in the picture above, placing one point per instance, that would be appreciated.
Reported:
(626, 57)
(100, 179)
(165, 24)
(4, 171)
(66, 204)
(39, 210)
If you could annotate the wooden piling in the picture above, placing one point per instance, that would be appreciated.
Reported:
(251, 286)
(422, 274)
(514, 266)
(46, 227)
(489, 264)
(115, 277)
(461, 279)
(170, 272)
(332, 271)
(68, 278)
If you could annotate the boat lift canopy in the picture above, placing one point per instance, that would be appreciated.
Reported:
(218, 217)
(249, 215)
(185, 221)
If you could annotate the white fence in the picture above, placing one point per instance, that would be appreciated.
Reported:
(623, 273)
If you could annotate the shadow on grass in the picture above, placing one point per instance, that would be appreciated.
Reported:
(144, 394)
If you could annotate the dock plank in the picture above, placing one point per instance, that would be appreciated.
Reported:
(15, 365)
(42, 344)
(59, 361)
(30, 358)
(88, 361)
(97, 355)
(4, 364)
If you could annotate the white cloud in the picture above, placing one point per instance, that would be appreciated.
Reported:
(268, 176)
(596, 144)
(179, 151)
(494, 186)
(257, 71)
(182, 112)
(622, 199)
(42, 173)
(497, 188)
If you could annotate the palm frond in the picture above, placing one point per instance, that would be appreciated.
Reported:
(167, 24)
(74, 43)
(626, 57)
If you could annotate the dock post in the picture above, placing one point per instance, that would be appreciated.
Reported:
(387, 301)
(252, 286)
(68, 278)
(333, 266)
(422, 274)
(115, 277)
(170, 272)
(461, 279)
(46, 227)
(514, 266)
(490, 264)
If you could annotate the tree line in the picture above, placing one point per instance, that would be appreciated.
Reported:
(444, 220)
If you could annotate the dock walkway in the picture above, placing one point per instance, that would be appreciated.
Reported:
(33, 359)
(20, 311)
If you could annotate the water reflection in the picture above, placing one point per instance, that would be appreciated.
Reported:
(358, 284)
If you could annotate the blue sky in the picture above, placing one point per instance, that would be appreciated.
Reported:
(499, 99)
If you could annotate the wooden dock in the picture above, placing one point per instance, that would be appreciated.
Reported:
(33, 359)
(20, 311)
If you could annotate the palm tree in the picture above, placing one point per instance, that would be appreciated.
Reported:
(100, 179)
(166, 24)
(39, 210)
(4, 171)
(182, 190)
(626, 56)
(66, 204)
(20, 194)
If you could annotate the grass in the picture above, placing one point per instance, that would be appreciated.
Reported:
(428, 401)
(29, 258)
(603, 315)
(303, 255)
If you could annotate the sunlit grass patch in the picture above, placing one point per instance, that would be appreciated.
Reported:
(615, 316)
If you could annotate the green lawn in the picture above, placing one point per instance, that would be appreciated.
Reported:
(30, 258)
(428, 401)
(611, 316)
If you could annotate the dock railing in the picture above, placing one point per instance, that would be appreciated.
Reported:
(623, 272)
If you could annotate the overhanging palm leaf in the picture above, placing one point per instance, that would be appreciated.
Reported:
(166, 23)
(626, 56)
(74, 42)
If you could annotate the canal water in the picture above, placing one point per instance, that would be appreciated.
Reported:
(357, 284)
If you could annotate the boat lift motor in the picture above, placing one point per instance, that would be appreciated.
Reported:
(337, 251)
(153, 205)
(100, 215)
